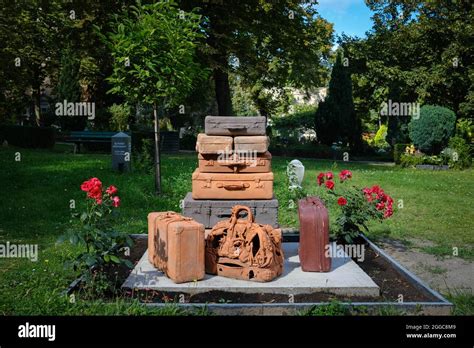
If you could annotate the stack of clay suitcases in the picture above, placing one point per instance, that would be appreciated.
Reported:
(234, 169)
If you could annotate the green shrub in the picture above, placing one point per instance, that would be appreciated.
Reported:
(29, 136)
(407, 160)
(431, 131)
(379, 139)
(398, 151)
(119, 117)
(458, 153)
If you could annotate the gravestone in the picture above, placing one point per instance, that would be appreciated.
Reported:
(121, 152)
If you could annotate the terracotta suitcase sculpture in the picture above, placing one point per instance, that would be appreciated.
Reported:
(314, 235)
(235, 163)
(176, 246)
(232, 185)
(241, 249)
(257, 144)
(210, 144)
(226, 125)
(209, 212)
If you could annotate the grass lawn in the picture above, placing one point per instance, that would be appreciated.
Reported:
(37, 191)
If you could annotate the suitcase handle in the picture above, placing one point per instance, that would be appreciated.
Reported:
(233, 187)
(235, 214)
(236, 127)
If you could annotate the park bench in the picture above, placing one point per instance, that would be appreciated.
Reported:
(81, 137)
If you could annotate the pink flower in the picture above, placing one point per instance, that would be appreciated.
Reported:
(345, 174)
(111, 190)
(329, 175)
(115, 201)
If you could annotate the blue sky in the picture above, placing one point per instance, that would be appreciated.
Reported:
(349, 16)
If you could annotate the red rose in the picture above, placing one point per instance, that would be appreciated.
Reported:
(388, 213)
(380, 206)
(115, 201)
(320, 179)
(341, 201)
(329, 175)
(329, 184)
(345, 174)
(111, 190)
(98, 201)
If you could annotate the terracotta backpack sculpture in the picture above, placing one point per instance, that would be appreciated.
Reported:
(241, 249)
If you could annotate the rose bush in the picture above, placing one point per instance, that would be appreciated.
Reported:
(103, 245)
(358, 206)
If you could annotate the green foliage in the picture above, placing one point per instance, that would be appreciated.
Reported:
(398, 151)
(410, 161)
(335, 118)
(432, 130)
(334, 308)
(458, 153)
(288, 129)
(68, 84)
(145, 158)
(119, 117)
(434, 67)
(28, 136)
(153, 47)
(355, 215)
(465, 129)
(380, 136)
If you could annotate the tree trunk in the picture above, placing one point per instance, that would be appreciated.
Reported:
(36, 95)
(224, 102)
(157, 152)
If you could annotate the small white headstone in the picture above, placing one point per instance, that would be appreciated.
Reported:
(298, 169)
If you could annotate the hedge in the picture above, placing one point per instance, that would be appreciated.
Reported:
(28, 136)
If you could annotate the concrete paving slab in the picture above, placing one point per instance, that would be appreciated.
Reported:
(345, 278)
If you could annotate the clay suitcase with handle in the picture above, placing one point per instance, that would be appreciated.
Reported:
(227, 125)
(257, 144)
(235, 163)
(241, 249)
(176, 246)
(314, 235)
(210, 144)
(232, 185)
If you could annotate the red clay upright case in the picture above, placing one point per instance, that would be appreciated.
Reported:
(314, 235)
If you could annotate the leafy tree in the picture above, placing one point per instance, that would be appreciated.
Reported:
(417, 51)
(32, 34)
(432, 130)
(269, 44)
(153, 47)
(335, 117)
